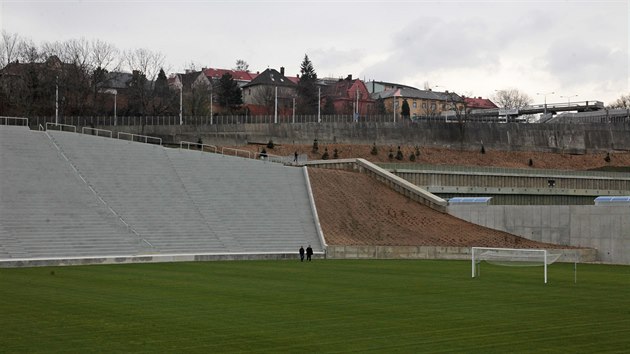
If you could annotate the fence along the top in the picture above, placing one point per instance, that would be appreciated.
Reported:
(96, 130)
(14, 121)
(134, 136)
(198, 145)
(61, 126)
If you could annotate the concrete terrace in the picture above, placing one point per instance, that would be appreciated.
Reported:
(72, 195)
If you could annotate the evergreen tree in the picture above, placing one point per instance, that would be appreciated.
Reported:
(405, 112)
(380, 106)
(329, 107)
(228, 93)
(307, 88)
(161, 84)
(137, 94)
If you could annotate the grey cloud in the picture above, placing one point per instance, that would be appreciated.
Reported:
(431, 44)
(573, 62)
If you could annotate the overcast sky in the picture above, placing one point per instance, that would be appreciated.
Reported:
(470, 47)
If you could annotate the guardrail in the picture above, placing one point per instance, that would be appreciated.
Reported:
(61, 126)
(501, 171)
(236, 152)
(97, 131)
(134, 136)
(199, 146)
(7, 120)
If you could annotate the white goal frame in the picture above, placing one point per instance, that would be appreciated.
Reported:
(476, 250)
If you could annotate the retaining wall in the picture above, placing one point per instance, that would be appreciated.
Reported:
(604, 228)
(432, 252)
(567, 138)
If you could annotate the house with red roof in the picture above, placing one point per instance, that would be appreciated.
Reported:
(348, 96)
(478, 103)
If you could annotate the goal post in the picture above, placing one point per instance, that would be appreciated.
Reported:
(516, 257)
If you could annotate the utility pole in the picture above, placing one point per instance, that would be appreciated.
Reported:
(56, 100)
(319, 104)
(275, 107)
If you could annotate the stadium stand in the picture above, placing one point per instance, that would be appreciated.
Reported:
(46, 211)
(98, 196)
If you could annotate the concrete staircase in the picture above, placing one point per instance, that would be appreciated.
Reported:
(46, 211)
(73, 195)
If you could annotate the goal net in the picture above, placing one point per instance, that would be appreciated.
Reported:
(514, 257)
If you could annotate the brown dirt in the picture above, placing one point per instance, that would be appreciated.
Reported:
(355, 209)
(444, 156)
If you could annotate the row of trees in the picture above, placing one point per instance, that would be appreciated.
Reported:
(82, 70)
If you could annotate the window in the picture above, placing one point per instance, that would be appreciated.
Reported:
(424, 105)
(415, 105)
(432, 105)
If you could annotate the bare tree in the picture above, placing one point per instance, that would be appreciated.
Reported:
(622, 102)
(8, 48)
(104, 55)
(241, 65)
(511, 98)
(147, 62)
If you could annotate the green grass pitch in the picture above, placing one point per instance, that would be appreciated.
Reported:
(322, 306)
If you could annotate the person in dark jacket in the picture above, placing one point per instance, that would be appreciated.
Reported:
(301, 253)
(309, 253)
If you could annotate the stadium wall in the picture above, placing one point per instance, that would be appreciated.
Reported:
(432, 252)
(604, 228)
(566, 138)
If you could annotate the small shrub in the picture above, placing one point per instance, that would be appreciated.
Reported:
(374, 150)
(325, 154)
(530, 163)
(417, 150)
(315, 146)
(607, 158)
(391, 154)
(412, 157)
(270, 144)
(483, 149)
(335, 154)
(399, 155)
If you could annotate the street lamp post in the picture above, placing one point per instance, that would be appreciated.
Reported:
(57, 100)
(181, 104)
(545, 95)
(568, 99)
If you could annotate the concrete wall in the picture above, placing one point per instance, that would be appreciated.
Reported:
(14, 263)
(573, 138)
(605, 228)
(430, 252)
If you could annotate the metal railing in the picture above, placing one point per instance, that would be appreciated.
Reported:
(134, 136)
(8, 120)
(97, 131)
(236, 152)
(199, 146)
(61, 126)
(500, 170)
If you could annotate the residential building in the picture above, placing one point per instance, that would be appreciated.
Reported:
(422, 103)
(271, 86)
(348, 96)
(478, 103)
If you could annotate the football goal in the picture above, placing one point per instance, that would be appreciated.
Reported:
(515, 257)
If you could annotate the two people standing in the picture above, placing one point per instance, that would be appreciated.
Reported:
(309, 253)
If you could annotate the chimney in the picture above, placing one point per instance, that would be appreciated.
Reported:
(282, 70)
(349, 77)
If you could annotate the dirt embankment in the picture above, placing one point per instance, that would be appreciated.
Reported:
(355, 209)
(443, 156)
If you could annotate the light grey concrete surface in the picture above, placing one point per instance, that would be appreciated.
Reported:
(605, 228)
(433, 252)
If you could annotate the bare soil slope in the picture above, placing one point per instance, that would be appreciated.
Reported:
(444, 156)
(355, 209)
